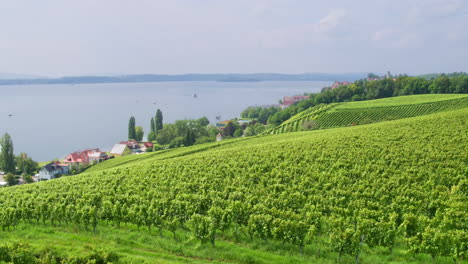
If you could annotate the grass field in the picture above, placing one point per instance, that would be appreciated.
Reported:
(401, 100)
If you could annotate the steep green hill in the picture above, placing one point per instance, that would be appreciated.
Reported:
(364, 112)
(392, 192)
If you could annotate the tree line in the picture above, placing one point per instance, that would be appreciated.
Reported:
(12, 165)
(365, 89)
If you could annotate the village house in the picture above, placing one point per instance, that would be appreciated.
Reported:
(289, 100)
(85, 157)
(219, 137)
(3, 183)
(145, 145)
(119, 150)
(97, 157)
(53, 170)
(132, 145)
(337, 84)
(221, 124)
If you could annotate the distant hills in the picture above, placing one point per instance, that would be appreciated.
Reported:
(254, 77)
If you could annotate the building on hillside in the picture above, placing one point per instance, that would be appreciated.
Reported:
(289, 100)
(79, 158)
(53, 170)
(120, 150)
(222, 124)
(337, 84)
(219, 137)
(132, 145)
(3, 183)
(85, 157)
(97, 157)
(145, 145)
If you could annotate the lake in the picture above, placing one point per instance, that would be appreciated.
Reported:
(50, 121)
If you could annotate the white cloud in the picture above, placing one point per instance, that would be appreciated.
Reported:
(331, 21)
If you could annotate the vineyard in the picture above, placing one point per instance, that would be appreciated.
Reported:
(396, 189)
(365, 112)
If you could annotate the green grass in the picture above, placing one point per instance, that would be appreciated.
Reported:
(401, 100)
(139, 246)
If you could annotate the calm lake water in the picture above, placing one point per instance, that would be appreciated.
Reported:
(50, 121)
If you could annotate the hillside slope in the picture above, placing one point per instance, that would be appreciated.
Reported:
(379, 193)
(371, 111)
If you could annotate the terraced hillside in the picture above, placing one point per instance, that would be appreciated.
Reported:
(392, 192)
(365, 112)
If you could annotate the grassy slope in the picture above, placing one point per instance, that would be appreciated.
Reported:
(401, 100)
(371, 111)
(138, 246)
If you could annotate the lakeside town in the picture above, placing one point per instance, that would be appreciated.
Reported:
(79, 161)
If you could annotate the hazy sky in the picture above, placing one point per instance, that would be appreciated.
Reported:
(70, 37)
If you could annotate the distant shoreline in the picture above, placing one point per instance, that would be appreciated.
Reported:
(255, 77)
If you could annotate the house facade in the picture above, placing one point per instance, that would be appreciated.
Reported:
(52, 170)
(132, 145)
(97, 157)
(85, 157)
(145, 145)
(120, 150)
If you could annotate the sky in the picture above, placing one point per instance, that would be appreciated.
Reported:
(67, 37)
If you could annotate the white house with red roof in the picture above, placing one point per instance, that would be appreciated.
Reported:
(145, 145)
(133, 145)
(85, 157)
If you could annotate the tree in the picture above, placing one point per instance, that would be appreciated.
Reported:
(166, 135)
(249, 131)
(27, 178)
(139, 133)
(229, 129)
(11, 179)
(152, 126)
(203, 121)
(25, 164)
(151, 136)
(158, 121)
(7, 158)
(131, 128)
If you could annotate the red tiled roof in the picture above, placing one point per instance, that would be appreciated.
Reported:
(148, 144)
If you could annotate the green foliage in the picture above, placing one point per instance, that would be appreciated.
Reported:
(229, 129)
(27, 178)
(158, 121)
(25, 164)
(151, 136)
(7, 156)
(261, 114)
(11, 179)
(131, 129)
(139, 133)
(152, 127)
